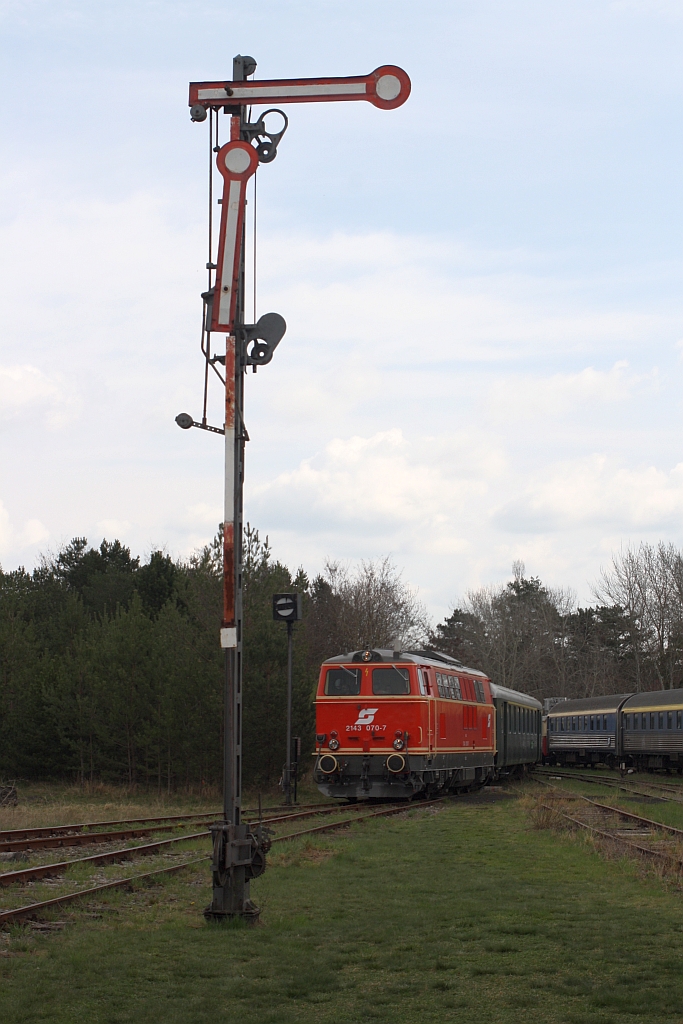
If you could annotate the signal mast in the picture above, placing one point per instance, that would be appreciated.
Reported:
(239, 849)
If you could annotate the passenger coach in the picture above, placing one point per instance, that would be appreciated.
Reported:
(394, 724)
(585, 731)
(652, 730)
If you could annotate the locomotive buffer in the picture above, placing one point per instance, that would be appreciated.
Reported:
(238, 849)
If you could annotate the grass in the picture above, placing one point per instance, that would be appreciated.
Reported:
(465, 915)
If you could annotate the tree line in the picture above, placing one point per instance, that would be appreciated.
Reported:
(535, 638)
(110, 667)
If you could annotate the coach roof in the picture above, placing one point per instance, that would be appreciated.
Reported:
(655, 699)
(515, 697)
(610, 702)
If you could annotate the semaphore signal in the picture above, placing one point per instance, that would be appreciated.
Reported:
(239, 849)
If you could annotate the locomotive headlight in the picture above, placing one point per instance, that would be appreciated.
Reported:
(398, 744)
(333, 744)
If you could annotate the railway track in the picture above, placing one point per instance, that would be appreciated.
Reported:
(53, 831)
(115, 856)
(59, 838)
(660, 790)
(648, 838)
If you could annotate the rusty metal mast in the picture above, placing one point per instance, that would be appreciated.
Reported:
(239, 849)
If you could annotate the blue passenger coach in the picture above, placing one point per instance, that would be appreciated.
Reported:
(586, 731)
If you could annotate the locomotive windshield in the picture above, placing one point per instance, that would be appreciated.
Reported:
(389, 682)
(342, 682)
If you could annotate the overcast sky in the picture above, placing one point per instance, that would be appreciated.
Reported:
(484, 353)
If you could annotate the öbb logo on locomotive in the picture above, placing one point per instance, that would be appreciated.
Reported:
(399, 724)
(366, 716)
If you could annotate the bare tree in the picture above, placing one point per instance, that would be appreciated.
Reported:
(647, 583)
(370, 606)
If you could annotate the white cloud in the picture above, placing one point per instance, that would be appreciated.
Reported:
(421, 299)
(532, 395)
(17, 544)
(26, 390)
(600, 493)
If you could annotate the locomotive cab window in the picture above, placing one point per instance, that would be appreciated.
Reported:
(342, 682)
(390, 682)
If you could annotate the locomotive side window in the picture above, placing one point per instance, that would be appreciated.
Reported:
(422, 684)
(390, 682)
(479, 690)
(342, 682)
(456, 688)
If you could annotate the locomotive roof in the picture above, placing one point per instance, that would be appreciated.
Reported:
(656, 699)
(424, 657)
(515, 696)
(610, 702)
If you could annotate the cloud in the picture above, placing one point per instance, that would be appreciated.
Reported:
(422, 299)
(532, 396)
(26, 390)
(14, 543)
(598, 493)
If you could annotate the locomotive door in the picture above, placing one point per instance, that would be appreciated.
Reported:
(431, 704)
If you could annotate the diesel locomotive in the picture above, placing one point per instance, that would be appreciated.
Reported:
(399, 724)
(637, 730)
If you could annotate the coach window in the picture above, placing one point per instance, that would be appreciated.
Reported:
(679, 719)
(604, 721)
(652, 720)
(342, 682)
(669, 719)
(390, 682)
(597, 721)
(627, 722)
(592, 721)
(660, 723)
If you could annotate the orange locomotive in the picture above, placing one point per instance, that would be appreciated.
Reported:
(392, 724)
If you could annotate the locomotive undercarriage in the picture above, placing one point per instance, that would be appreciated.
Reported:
(370, 776)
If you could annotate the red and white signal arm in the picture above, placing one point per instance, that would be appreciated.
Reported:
(236, 161)
(386, 87)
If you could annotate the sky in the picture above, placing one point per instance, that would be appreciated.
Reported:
(484, 354)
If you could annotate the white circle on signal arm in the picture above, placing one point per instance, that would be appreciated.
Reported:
(388, 87)
(237, 160)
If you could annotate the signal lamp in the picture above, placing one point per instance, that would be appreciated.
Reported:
(334, 744)
(398, 744)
